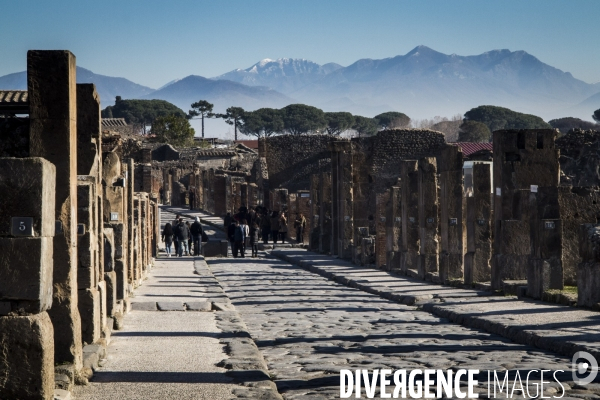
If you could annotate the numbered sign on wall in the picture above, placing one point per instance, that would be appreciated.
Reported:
(22, 226)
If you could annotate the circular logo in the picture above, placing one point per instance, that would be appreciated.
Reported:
(582, 367)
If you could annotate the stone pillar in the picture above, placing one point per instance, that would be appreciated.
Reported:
(244, 195)
(219, 198)
(88, 271)
(522, 159)
(394, 229)
(428, 218)
(315, 203)
(588, 271)
(167, 186)
(290, 214)
(544, 270)
(342, 209)
(53, 136)
(381, 204)
(325, 213)
(26, 336)
(450, 163)
(131, 224)
(479, 225)
(409, 260)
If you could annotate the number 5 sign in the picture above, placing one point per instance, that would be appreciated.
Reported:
(22, 226)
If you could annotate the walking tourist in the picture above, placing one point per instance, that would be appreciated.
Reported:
(167, 238)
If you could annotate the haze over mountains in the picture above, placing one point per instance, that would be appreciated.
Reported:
(422, 83)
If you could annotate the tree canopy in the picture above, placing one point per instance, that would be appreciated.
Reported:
(392, 120)
(497, 118)
(365, 126)
(564, 125)
(263, 122)
(299, 119)
(233, 116)
(474, 131)
(202, 109)
(596, 116)
(173, 129)
(338, 122)
(141, 112)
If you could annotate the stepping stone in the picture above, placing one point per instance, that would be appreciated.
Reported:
(199, 306)
(145, 306)
(170, 306)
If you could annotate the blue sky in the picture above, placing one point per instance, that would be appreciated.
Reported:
(152, 42)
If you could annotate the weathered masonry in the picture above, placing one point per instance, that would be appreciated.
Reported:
(67, 261)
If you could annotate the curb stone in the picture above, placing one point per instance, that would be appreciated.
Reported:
(550, 342)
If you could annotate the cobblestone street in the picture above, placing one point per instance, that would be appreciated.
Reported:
(308, 328)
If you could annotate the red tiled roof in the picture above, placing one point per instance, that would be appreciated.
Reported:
(253, 144)
(469, 148)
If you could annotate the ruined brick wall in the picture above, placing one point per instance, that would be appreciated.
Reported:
(293, 159)
(579, 157)
(14, 137)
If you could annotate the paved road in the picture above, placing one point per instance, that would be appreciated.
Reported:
(308, 328)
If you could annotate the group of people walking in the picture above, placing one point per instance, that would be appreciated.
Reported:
(247, 227)
(180, 236)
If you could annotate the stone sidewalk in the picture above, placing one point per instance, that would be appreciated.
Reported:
(561, 329)
(183, 339)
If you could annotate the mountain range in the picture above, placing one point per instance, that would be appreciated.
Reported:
(422, 83)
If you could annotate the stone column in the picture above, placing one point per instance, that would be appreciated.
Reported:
(450, 165)
(428, 218)
(219, 198)
(409, 260)
(342, 209)
(26, 335)
(315, 203)
(479, 226)
(53, 136)
(381, 204)
(545, 270)
(325, 213)
(522, 159)
(131, 224)
(394, 229)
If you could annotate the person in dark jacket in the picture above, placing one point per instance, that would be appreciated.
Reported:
(175, 239)
(265, 226)
(167, 238)
(182, 232)
(196, 231)
(231, 234)
(275, 226)
(254, 238)
(239, 237)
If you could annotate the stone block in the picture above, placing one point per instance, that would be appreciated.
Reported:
(199, 306)
(26, 357)
(90, 311)
(27, 189)
(109, 248)
(170, 306)
(102, 294)
(26, 273)
(215, 248)
(110, 278)
(121, 274)
(542, 275)
(588, 283)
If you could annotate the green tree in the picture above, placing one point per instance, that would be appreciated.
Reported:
(596, 116)
(365, 126)
(263, 122)
(338, 122)
(497, 118)
(564, 125)
(174, 130)
(474, 131)
(202, 109)
(392, 120)
(141, 113)
(233, 116)
(299, 119)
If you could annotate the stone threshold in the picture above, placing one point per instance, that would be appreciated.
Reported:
(561, 329)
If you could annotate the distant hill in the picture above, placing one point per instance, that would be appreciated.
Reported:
(108, 87)
(222, 93)
(284, 74)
